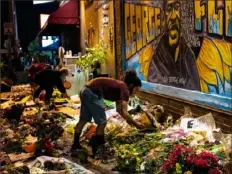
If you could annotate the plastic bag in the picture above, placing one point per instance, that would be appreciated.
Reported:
(143, 119)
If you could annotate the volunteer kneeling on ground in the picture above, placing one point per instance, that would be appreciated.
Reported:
(48, 79)
(92, 105)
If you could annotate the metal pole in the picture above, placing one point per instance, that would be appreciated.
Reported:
(82, 26)
(10, 13)
(15, 25)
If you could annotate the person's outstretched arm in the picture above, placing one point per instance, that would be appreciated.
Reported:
(121, 107)
(61, 88)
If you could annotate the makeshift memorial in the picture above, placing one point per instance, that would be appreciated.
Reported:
(19, 156)
(30, 111)
(4, 160)
(50, 165)
(133, 156)
(16, 96)
(19, 88)
(19, 170)
(33, 132)
(13, 114)
(184, 159)
(69, 111)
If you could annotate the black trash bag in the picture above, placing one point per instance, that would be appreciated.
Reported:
(14, 114)
(5, 87)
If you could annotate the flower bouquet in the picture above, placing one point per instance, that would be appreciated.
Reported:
(186, 160)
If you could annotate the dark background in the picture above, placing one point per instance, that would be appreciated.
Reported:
(28, 19)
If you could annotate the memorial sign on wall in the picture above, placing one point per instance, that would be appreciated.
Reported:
(182, 48)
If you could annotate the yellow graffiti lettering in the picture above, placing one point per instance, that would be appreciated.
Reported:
(215, 21)
(217, 14)
(127, 30)
(145, 24)
(142, 25)
(228, 18)
(151, 15)
(133, 28)
(139, 27)
(199, 14)
(157, 21)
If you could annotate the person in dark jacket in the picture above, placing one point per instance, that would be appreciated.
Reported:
(92, 104)
(35, 68)
(48, 79)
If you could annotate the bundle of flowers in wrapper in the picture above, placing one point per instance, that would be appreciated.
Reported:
(186, 160)
(117, 126)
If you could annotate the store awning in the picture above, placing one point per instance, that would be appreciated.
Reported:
(66, 14)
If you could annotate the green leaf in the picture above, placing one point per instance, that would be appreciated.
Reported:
(93, 55)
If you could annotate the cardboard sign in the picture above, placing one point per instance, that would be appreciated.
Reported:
(203, 123)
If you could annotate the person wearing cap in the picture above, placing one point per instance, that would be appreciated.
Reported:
(48, 79)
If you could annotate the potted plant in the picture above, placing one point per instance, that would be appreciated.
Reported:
(94, 57)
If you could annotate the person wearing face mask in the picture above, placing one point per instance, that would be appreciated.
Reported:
(92, 105)
(48, 79)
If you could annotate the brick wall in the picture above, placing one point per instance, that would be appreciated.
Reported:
(177, 106)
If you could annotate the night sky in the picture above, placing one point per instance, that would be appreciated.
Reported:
(28, 19)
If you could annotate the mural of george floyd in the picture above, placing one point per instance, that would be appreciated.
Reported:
(182, 48)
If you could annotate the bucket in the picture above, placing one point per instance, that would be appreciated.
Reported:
(67, 85)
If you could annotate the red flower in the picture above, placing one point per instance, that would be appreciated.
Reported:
(203, 160)
(176, 152)
(202, 163)
(178, 147)
(190, 159)
(168, 165)
(188, 150)
(214, 171)
(209, 156)
(48, 145)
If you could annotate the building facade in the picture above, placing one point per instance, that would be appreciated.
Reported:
(180, 49)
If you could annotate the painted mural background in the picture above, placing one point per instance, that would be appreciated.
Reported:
(182, 48)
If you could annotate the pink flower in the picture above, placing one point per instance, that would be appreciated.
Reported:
(214, 171)
(202, 163)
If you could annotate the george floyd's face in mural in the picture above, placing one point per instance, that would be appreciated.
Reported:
(172, 20)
